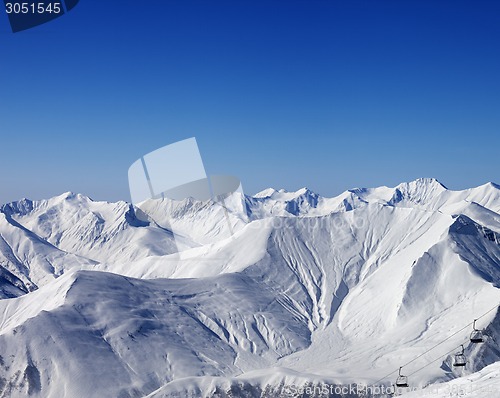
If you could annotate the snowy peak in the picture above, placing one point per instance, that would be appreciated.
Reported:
(430, 195)
(490, 185)
(302, 202)
(416, 190)
(284, 195)
(421, 185)
(266, 193)
(25, 206)
(22, 206)
(271, 202)
(423, 193)
(420, 191)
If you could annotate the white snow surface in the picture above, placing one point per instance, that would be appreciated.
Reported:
(482, 384)
(96, 300)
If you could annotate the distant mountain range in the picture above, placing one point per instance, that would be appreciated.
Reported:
(98, 302)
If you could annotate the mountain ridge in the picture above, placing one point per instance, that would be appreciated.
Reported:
(339, 290)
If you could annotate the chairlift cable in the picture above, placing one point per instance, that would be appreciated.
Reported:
(435, 346)
(431, 362)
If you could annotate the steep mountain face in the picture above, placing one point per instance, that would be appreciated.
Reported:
(307, 289)
(28, 261)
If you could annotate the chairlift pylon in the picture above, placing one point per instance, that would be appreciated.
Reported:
(402, 381)
(477, 335)
(460, 359)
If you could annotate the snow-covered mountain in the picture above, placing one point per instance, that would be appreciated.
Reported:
(97, 302)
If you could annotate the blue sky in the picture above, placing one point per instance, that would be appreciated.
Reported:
(325, 94)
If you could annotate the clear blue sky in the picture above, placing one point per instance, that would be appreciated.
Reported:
(325, 94)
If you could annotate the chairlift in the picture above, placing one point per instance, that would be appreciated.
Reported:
(460, 359)
(477, 336)
(402, 381)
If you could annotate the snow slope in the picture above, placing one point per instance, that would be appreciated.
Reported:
(94, 334)
(476, 385)
(307, 290)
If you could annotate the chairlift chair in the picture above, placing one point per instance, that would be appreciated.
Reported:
(402, 381)
(460, 359)
(477, 336)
